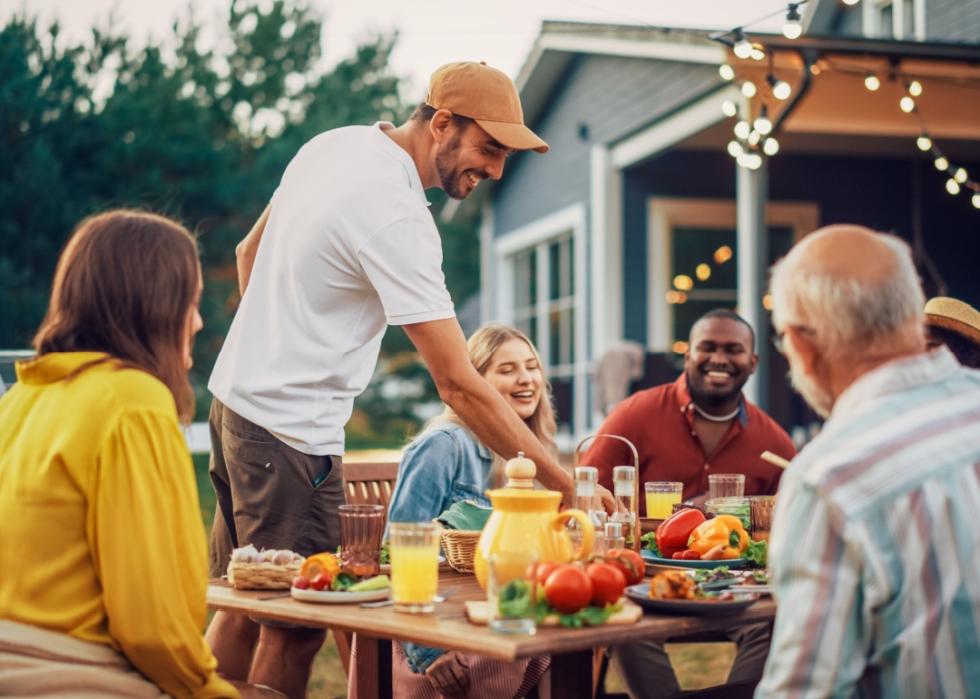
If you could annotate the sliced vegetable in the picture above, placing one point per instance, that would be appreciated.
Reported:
(514, 601)
(342, 581)
(320, 563)
(722, 537)
(378, 582)
(321, 581)
(674, 532)
(301, 582)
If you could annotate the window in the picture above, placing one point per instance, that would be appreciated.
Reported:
(895, 19)
(549, 319)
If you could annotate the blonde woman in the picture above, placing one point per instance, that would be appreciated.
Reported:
(446, 464)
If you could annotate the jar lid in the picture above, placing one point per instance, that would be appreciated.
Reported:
(587, 473)
(624, 473)
(614, 529)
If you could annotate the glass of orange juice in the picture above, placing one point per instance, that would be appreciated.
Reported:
(661, 498)
(414, 552)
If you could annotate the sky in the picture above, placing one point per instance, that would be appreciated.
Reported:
(431, 32)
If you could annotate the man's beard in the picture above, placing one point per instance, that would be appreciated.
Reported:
(713, 401)
(449, 176)
(815, 396)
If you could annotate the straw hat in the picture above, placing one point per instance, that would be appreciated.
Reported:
(954, 315)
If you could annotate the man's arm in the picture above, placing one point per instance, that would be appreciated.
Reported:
(483, 409)
(246, 250)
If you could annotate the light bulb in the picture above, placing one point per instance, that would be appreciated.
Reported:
(742, 48)
(941, 163)
(781, 89)
(915, 88)
(735, 149)
(728, 108)
(743, 159)
(757, 54)
(975, 200)
(770, 147)
(753, 161)
(851, 2)
(872, 82)
(748, 88)
(754, 137)
(952, 186)
(742, 129)
(907, 104)
(726, 72)
(792, 27)
(960, 175)
(762, 123)
(924, 143)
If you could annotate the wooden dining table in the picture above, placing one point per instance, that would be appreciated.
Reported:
(448, 627)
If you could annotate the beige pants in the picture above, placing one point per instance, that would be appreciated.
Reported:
(35, 662)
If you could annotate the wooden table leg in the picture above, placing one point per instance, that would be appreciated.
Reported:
(571, 675)
(373, 668)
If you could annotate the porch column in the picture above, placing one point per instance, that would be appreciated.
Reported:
(751, 187)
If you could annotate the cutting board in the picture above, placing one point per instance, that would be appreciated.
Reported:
(476, 611)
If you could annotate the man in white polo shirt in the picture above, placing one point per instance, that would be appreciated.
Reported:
(348, 247)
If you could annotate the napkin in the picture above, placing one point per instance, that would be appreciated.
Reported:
(465, 515)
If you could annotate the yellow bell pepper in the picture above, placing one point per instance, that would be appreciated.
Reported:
(722, 537)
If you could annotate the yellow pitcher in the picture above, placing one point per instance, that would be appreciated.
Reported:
(527, 520)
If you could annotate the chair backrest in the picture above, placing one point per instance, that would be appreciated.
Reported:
(369, 483)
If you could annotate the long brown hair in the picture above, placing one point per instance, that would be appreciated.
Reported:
(481, 346)
(124, 285)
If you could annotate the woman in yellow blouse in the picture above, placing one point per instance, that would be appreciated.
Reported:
(103, 560)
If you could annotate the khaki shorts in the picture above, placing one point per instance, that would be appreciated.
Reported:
(269, 494)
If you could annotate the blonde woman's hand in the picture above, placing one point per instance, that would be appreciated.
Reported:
(450, 674)
(607, 499)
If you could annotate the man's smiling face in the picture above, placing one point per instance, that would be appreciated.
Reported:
(468, 156)
(719, 360)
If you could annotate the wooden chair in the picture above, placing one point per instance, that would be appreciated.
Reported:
(364, 484)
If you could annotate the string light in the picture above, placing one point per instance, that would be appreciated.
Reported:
(907, 104)
(726, 72)
(923, 142)
(742, 129)
(851, 2)
(758, 54)
(742, 48)
(975, 200)
(683, 282)
(952, 186)
(941, 163)
(723, 254)
(754, 137)
(762, 123)
(735, 149)
(792, 29)
(961, 175)
(872, 82)
(748, 88)
(703, 272)
(770, 146)
(915, 88)
(728, 108)
(780, 88)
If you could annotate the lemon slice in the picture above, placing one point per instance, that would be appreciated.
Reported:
(320, 563)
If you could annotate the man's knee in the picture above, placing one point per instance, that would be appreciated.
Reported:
(295, 640)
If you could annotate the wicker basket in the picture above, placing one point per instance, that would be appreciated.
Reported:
(262, 576)
(460, 548)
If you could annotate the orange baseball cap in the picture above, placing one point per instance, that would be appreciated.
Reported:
(488, 97)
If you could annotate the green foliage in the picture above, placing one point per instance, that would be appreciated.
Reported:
(201, 133)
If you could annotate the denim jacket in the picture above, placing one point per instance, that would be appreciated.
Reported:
(445, 465)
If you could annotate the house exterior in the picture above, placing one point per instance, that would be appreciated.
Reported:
(638, 220)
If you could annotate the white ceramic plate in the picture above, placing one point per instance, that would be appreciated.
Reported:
(339, 597)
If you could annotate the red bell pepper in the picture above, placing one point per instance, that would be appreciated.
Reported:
(673, 532)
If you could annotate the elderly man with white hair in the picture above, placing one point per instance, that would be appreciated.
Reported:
(875, 543)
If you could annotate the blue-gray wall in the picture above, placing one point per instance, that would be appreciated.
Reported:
(613, 97)
(953, 20)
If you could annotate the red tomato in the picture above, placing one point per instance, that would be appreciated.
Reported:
(673, 532)
(543, 570)
(608, 583)
(690, 555)
(629, 562)
(568, 589)
(322, 581)
(301, 582)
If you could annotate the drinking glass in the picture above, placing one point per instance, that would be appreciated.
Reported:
(361, 527)
(737, 507)
(726, 485)
(414, 551)
(511, 591)
(760, 510)
(661, 498)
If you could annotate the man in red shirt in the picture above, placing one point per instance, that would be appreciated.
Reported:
(684, 431)
(701, 423)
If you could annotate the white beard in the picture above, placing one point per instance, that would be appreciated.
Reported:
(815, 396)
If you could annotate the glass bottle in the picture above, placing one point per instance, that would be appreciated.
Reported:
(613, 537)
(586, 478)
(624, 491)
